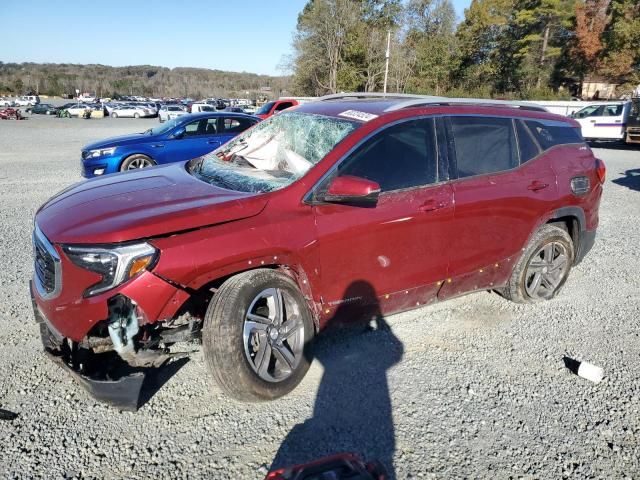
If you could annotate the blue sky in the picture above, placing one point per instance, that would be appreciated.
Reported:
(236, 35)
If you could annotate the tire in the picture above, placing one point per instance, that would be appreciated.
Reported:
(136, 115)
(114, 115)
(136, 162)
(230, 353)
(541, 264)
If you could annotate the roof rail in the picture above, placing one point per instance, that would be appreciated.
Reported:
(417, 102)
(378, 95)
(413, 100)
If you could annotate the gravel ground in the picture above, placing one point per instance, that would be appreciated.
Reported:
(474, 387)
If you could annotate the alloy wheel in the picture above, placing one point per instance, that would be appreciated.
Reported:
(139, 163)
(546, 271)
(273, 335)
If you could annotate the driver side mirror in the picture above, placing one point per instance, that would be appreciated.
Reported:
(351, 190)
(179, 133)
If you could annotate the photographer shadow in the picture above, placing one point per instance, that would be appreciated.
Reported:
(352, 411)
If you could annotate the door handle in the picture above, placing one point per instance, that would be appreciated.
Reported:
(431, 205)
(592, 121)
(157, 145)
(213, 142)
(536, 186)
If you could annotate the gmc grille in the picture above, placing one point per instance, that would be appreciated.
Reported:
(46, 266)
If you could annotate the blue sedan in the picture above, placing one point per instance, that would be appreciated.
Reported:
(182, 138)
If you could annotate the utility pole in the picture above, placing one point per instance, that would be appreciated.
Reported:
(387, 55)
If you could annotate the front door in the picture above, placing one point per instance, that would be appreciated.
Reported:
(393, 255)
(200, 137)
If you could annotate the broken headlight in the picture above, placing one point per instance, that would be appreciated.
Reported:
(116, 265)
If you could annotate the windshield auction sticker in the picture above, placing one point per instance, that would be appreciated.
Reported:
(357, 115)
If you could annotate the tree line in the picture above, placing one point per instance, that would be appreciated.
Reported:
(146, 80)
(510, 48)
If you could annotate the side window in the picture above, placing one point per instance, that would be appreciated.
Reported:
(210, 126)
(483, 145)
(235, 125)
(401, 156)
(590, 111)
(193, 128)
(283, 106)
(549, 134)
(526, 143)
(612, 110)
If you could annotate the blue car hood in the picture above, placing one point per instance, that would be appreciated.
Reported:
(121, 141)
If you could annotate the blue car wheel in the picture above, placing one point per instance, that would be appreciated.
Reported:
(134, 162)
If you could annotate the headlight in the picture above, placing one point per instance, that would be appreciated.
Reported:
(101, 152)
(116, 265)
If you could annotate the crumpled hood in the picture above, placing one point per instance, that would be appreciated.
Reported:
(140, 204)
(120, 141)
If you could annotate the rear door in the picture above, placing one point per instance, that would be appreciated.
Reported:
(500, 193)
(395, 253)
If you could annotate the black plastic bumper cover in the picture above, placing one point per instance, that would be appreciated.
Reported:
(123, 392)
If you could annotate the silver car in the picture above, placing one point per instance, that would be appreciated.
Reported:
(131, 111)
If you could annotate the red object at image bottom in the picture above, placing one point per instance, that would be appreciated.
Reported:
(335, 467)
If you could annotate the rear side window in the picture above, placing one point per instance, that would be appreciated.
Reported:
(526, 144)
(401, 156)
(550, 134)
(236, 125)
(483, 145)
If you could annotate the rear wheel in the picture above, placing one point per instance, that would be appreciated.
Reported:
(136, 115)
(543, 268)
(135, 162)
(255, 335)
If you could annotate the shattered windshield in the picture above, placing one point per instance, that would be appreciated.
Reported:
(274, 153)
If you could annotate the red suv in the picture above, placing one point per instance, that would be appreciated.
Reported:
(335, 209)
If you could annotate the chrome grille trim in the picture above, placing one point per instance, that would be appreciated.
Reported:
(43, 249)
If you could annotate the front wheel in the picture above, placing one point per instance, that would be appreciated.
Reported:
(543, 268)
(256, 335)
(136, 115)
(114, 115)
(135, 162)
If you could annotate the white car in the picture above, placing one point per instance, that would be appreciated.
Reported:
(202, 107)
(27, 101)
(131, 111)
(249, 109)
(169, 112)
(78, 110)
(6, 102)
(603, 121)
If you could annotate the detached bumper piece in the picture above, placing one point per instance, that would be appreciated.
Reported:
(105, 376)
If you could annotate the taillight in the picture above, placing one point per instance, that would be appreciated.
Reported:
(601, 170)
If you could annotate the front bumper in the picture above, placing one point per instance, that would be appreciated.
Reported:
(116, 384)
(99, 166)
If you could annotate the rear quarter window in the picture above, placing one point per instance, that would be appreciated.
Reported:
(550, 134)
